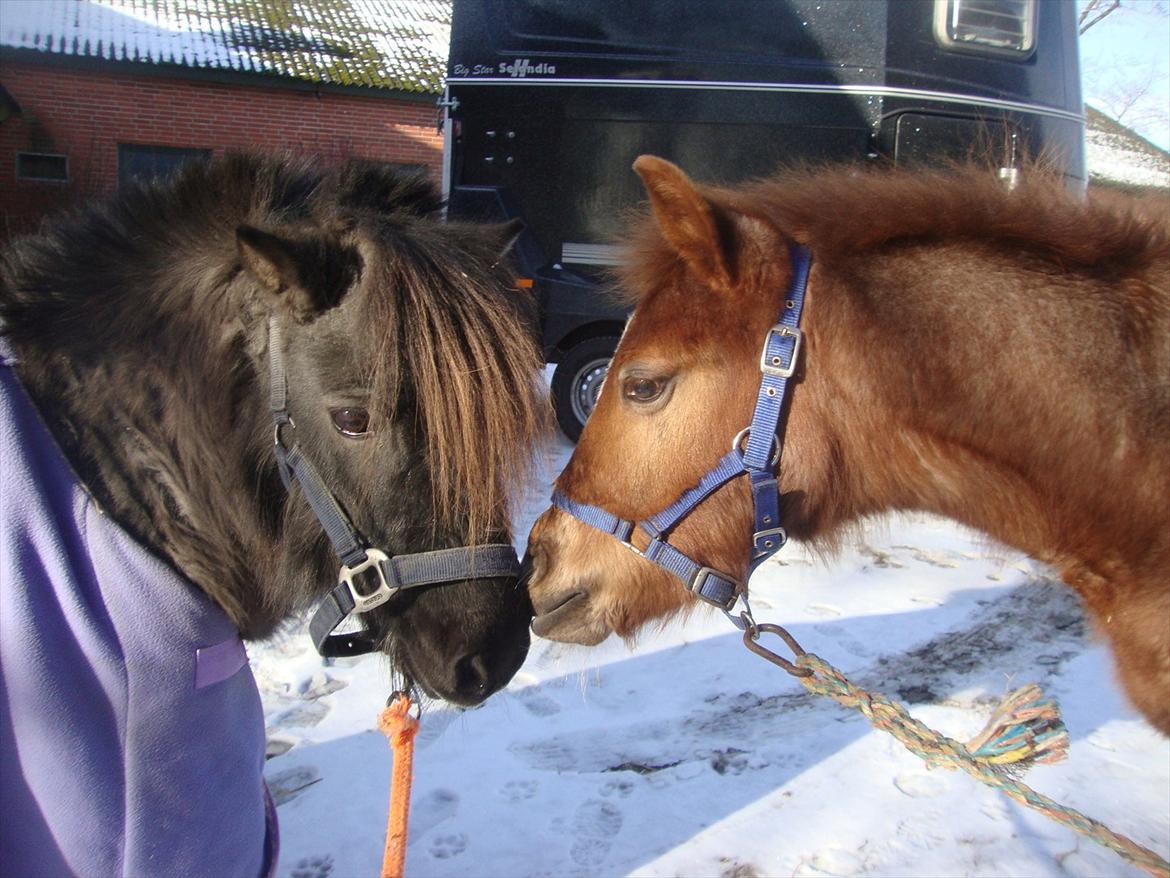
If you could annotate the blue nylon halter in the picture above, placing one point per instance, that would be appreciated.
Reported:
(757, 460)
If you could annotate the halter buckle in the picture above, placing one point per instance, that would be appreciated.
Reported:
(633, 548)
(776, 369)
(365, 602)
(781, 537)
(699, 581)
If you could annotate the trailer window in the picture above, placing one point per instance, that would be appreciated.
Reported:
(1005, 27)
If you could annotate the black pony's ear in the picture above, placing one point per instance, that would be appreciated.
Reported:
(307, 275)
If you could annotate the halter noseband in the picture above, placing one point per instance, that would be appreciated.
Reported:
(359, 562)
(757, 460)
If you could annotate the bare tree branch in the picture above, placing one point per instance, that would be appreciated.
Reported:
(1098, 9)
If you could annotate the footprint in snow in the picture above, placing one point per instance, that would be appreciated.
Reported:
(308, 713)
(594, 826)
(288, 784)
(920, 786)
(432, 808)
(831, 861)
(620, 789)
(446, 846)
(313, 867)
(822, 611)
(930, 602)
(844, 640)
(277, 747)
(518, 790)
(320, 685)
(539, 705)
(934, 559)
(433, 727)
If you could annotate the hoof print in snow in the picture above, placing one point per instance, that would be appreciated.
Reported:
(320, 685)
(308, 713)
(540, 705)
(288, 784)
(920, 786)
(729, 761)
(832, 861)
(822, 611)
(313, 867)
(277, 747)
(518, 790)
(733, 868)
(446, 846)
(594, 827)
(618, 788)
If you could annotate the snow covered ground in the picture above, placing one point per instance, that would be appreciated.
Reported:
(689, 756)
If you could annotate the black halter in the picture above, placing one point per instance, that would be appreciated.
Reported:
(368, 577)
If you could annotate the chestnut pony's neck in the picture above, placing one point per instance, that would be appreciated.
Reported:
(962, 378)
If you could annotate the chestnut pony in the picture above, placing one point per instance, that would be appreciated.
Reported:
(1000, 357)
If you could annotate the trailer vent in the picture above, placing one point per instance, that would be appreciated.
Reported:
(1005, 27)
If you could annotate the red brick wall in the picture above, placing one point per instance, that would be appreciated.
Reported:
(85, 114)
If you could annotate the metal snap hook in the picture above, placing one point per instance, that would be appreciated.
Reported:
(751, 640)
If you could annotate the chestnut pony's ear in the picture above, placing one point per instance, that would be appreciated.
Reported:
(688, 221)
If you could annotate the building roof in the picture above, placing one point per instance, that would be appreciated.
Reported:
(1120, 157)
(381, 44)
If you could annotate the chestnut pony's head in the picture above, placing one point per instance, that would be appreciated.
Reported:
(708, 280)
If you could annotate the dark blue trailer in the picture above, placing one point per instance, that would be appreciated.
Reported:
(548, 103)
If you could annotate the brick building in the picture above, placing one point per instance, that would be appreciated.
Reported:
(95, 92)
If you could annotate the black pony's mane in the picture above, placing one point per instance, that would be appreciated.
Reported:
(176, 231)
(129, 309)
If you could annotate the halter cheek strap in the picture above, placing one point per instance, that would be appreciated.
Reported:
(757, 460)
(368, 577)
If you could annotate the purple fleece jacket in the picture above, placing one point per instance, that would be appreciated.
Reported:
(131, 732)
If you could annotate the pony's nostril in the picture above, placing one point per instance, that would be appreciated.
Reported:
(471, 675)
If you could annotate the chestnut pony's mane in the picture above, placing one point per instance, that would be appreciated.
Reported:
(849, 209)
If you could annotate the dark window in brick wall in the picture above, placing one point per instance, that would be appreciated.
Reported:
(141, 162)
(42, 167)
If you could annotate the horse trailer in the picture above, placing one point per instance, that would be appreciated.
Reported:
(548, 103)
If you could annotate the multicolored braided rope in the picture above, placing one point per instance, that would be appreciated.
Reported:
(1025, 729)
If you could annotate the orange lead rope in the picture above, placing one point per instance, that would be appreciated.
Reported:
(400, 728)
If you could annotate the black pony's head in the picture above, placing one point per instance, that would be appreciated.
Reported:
(410, 368)
(142, 323)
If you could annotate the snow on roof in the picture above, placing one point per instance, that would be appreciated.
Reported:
(1111, 162)
(1120, 156)
(385, 44)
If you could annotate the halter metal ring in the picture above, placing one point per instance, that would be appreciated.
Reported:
(742, 434)
(284, 422)
(364, 602)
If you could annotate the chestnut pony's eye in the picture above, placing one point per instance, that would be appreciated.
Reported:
(353, 422)
(643, 389)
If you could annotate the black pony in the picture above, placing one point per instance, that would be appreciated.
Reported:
(256, 375)
(141, 328)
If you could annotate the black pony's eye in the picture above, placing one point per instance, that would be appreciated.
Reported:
(643, 389)
(351, 421)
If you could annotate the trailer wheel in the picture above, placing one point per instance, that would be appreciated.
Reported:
(577, 381)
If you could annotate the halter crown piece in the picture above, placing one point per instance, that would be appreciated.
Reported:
(362, 566)
(757, 460)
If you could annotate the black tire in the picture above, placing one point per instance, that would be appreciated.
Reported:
(577, 381)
